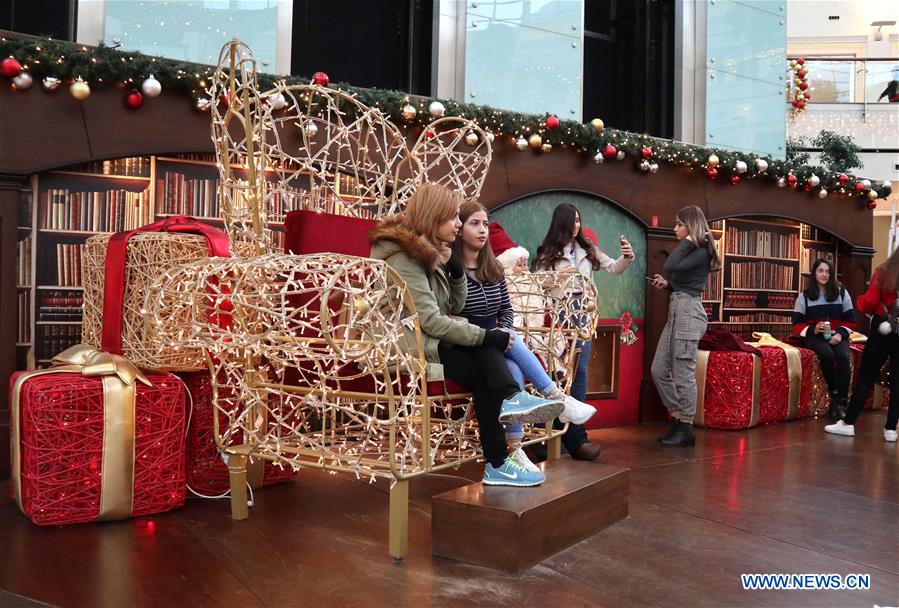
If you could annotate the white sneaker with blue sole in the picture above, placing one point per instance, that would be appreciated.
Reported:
(510, 473)
(524, 407)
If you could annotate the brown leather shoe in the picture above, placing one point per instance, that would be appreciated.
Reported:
(586, 451)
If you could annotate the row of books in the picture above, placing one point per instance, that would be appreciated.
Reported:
(762, 275)
(60, 306)
(762, 243)
(179, 195)
(53, 339)
(23, 261)
(109, 211)
(745, 330)
(760, 300)
(23, 327)
(137, 166)
(68, 263)
(713, 287)
(760, 317)
(811, 254)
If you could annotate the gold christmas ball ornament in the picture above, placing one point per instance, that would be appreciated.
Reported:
(80, 90)
(546, 147)
(713, 160)
(872, 195)
(471, 138)
(361, 305)
(409, 112)
(598, 124)
(535, 141)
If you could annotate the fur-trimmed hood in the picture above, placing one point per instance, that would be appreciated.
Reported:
(405, 239)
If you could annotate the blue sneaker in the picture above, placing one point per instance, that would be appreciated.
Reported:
(510, 473)
(524, 407)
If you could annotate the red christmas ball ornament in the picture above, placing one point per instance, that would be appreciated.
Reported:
(224, 101)
(803, 85)
(646, 152)
(872, 204)
(808, 187)
(430, 133)
(609, 151)
(859, 188)
(552, 123)
(734, 180)
(843, 178)
(10, 67)
(712, 173)
(795, 103)
(791, 180)
(800, 61)
(134, 100)
(321, 79)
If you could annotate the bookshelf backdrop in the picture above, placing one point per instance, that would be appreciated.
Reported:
(766, 262)
(65, 207)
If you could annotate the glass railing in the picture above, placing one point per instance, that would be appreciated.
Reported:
(835, 79)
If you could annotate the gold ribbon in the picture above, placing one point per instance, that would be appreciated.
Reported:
(794, 368)
(702, 364)
(119, 377)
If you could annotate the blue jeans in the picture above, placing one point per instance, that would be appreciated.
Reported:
(576, 435)
(524, 365)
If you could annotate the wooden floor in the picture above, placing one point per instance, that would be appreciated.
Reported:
(781, 499)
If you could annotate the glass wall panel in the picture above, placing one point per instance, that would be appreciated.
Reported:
(525, 55)
(745, 103)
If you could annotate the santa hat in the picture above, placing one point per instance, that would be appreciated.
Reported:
(590, 235)
(507, 252)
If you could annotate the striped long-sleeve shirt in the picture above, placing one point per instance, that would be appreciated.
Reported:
(488, 305)
(809, 312)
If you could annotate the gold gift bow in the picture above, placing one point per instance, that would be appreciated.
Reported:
(794, 368)
(119, 391)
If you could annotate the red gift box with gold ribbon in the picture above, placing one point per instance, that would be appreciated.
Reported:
(93, 439)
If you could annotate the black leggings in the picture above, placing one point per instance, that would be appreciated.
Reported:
(878, 349)
(834, 362)
(483, 371)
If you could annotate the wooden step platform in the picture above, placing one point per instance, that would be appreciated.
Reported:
(511, 529)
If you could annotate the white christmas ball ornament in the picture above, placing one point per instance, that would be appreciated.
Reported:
(310, 129)
(888, 185)
(23, 81)
(621, 155)
(866, 183)
(277, 101)
(203, 103)
(653, 168)
(761, 165)
(521, 143)
(598, 158)
(884, 328)
(51, 83)
(436, 109)
(151, 87)
(814, 180)
(822, 193)
(740, 166)
(781, 182)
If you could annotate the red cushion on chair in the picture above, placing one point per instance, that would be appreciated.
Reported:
(312, 232)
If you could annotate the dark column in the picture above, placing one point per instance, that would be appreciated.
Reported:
(659, 243)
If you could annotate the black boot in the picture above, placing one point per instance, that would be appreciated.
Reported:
(672, 428)
(683, 436)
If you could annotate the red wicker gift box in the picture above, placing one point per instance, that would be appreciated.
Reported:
(738, 390)
(207, 473)
(90, 444)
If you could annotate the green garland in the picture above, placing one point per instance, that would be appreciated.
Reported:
(107, 67)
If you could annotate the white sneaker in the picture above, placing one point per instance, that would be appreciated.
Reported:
(576, 411)
(522, 460)
(840, 428)
(890, 436)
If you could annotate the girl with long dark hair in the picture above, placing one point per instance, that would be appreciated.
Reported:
(674, 363)
(824, 317)
(566, 248)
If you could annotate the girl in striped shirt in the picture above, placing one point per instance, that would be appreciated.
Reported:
(487, 305)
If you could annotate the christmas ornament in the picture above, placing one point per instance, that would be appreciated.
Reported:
(740, 166)
(609, 151)
(791, 180)
(866, 183)
(361, 305)
(781, 182)
(872, 195)
(761, 165)
(23, 81)
(51, 83)
(713, 160)
(814, 180)
(792, 63)
(842, 179)
(734, 180)
(598, 124)
(872, 204)
(552, 123)
(10, 67)
(800, 61)
(276, 101)
(151, 87)
(431, 133)
(134, 100)
(598, 158)
(822, 193)
(203, 103)
(546, 148)
(887, 185)
(409, 112)
(644, 165)
(471, 138)
(859, 187)
(521, 143)
(80, 90)
(808, 187)
(653, 168)
(310, 129)
(321, 79)
(621, 155)
(490, 136)
(436, 109)
(884, 328)
(712, 173)
(646, 152)
(803, 85)
(535, 141)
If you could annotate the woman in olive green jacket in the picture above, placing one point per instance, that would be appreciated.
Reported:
(415, 244)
